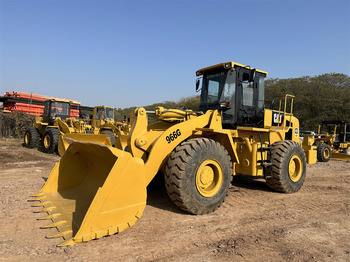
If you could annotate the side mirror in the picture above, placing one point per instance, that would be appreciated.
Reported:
(198, 84)
(272, 103)
(252, 75)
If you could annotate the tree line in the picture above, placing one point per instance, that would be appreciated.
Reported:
(317, 98)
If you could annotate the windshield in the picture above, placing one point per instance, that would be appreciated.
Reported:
(213, 85)
(105, 113)
(109, 113)
(59, 109)
(98, 113)
(248, 91)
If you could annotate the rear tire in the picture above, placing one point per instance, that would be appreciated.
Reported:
(111, 136)
(50, 139)
(324, 152)
(198, 175)
(288, 167)
(31, 137)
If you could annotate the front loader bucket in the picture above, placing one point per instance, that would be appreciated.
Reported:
(66, 139)
(94, 191)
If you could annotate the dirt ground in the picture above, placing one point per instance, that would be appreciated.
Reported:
(254, 223)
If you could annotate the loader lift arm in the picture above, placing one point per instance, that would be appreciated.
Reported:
(154, 149)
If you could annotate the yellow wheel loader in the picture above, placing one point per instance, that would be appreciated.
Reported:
(97, 190)
(101, 125)
(102, 122)
(48, 128)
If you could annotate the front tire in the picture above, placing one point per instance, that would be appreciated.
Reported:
(288, 167)
(324, 152)
(31, 137)
(198, 175)
(50, 139)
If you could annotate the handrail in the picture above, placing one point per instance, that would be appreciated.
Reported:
(285, 113)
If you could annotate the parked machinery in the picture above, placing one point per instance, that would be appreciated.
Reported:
(48, 128)
(101, 123)
(98, 190)
(333, 140)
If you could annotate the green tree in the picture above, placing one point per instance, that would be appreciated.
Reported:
(317, 98)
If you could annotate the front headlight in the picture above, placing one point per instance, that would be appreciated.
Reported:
(225, 105)
(228, 65)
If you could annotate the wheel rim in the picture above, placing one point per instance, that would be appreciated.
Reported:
(326, 153)
(295, 168)
(26, 138)
(209, 178)
(47, 141)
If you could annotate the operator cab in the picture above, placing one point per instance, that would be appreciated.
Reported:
(105, 113)
(54, 108)
(235, 89)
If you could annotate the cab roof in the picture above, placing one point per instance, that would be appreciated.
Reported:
(226, 65)
(61, 100)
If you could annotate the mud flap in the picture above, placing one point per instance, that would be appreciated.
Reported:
(94, 191)
(67, 139)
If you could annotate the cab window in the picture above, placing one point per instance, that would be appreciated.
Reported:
(248, 91)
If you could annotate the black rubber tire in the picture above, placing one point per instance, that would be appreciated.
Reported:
(31, 137)
(324, 152)
(89, 132)
(181, 171)
(111, 136)
(53, 135)
(282, 153)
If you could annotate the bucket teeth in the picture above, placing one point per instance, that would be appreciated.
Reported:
(60, 234)
(37, 199)
(45, 209)
(54, 224)
(42, 204)
(138, 214)
(66, 243)
(37, 195)
(49, 217)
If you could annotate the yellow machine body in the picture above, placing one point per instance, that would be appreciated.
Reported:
(98, 190)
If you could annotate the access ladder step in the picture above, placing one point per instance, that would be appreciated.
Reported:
(264, 162)
(267, 148)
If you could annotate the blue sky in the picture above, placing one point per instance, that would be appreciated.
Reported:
(134, 53)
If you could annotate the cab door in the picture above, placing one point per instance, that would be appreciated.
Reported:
(249, 112)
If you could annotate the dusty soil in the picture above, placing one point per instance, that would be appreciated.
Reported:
(254, 224)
